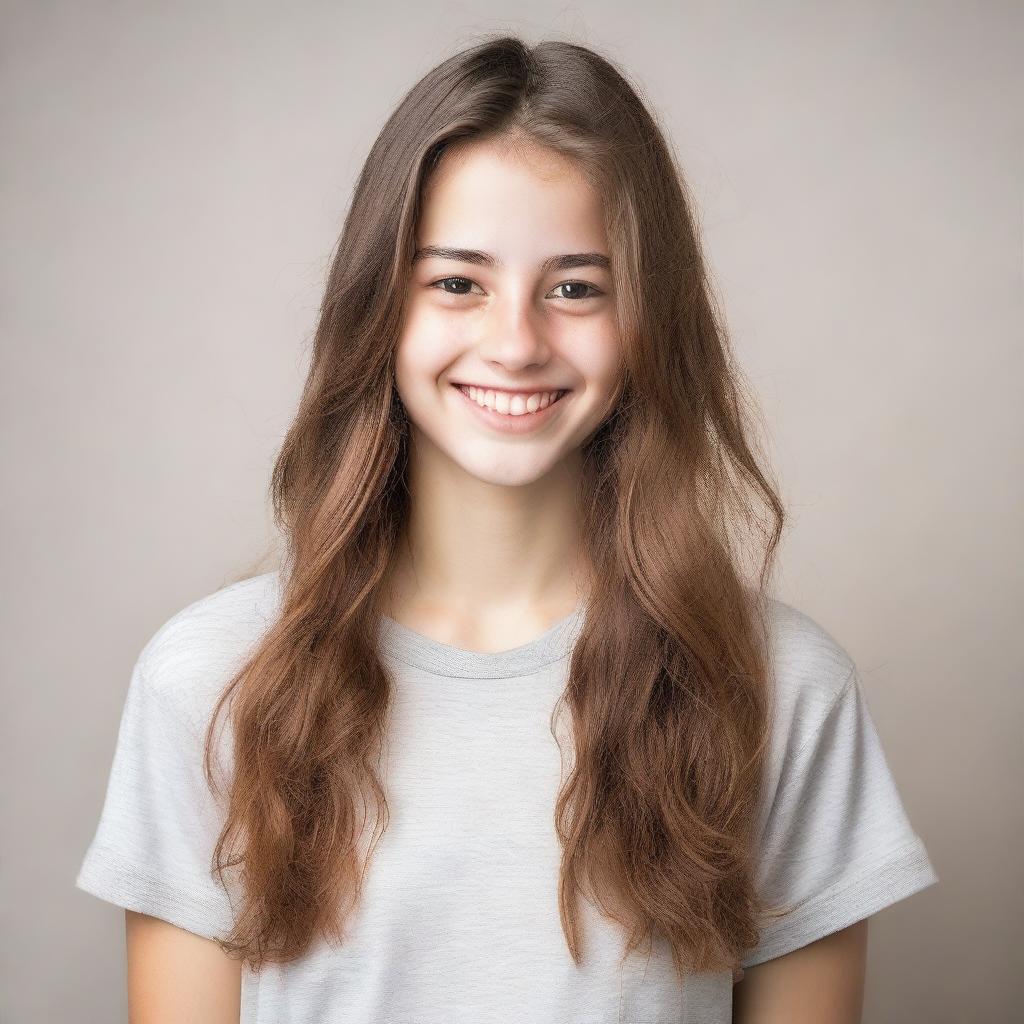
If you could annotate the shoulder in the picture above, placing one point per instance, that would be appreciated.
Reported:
(810, 671)
(191, 656)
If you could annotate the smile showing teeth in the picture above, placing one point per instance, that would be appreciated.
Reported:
(515, 404)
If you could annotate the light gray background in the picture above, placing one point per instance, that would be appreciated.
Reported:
(174, 178)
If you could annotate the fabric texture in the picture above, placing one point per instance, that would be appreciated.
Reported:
(459, 921)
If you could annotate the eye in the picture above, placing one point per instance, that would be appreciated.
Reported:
(460, 282)
(578, 284)
(445, 280)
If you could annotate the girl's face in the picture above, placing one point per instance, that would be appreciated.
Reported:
(509, 357)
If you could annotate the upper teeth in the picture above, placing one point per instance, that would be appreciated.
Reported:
(513, 404)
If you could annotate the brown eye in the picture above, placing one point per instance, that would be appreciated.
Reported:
(459, 281)
(577, 285)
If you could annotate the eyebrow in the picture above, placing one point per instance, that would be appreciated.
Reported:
(568, 261)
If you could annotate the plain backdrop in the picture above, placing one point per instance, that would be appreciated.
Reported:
(174, 178)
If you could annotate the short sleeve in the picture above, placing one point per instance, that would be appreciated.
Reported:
(153, 847)
(836, 844)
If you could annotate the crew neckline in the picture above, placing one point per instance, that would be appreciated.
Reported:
(417, 650)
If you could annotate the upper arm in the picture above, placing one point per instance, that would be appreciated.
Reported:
(153, 851)
(820, 983)
(176, 976)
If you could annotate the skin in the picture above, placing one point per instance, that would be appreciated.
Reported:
(492, 555)
(492, 548)
(820, 983)
(175, 976)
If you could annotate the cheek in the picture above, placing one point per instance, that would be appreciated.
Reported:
(604, 372)
(603, 361)
(423, 352)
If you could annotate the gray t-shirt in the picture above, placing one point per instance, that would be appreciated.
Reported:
(459, 921)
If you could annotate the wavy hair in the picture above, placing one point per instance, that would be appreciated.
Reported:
(668, 682)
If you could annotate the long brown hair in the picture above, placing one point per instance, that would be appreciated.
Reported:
(668, 682)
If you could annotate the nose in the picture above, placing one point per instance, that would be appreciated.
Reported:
(514, 335)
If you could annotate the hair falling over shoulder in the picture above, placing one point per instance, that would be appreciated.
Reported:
(668, 686)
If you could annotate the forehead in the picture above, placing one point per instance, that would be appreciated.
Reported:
(524, 195)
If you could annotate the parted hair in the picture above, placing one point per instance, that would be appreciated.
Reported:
(668, 688)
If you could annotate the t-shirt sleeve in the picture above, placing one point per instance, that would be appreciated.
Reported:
(836, 845)
(153, 847)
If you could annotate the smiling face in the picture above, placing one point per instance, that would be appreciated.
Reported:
(509, 357)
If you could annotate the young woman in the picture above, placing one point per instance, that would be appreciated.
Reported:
(511, 735)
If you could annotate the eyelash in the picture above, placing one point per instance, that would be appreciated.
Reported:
(597, 291)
